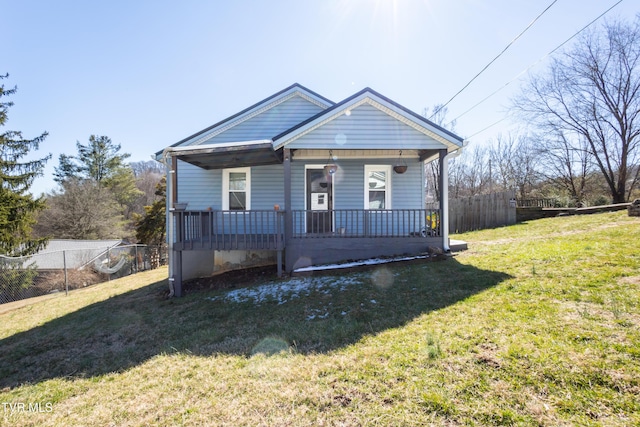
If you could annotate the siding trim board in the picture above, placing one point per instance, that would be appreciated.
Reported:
(318, 154)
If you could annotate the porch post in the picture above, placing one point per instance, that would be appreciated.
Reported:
(444, 199)
(288, 213)
(177, 268)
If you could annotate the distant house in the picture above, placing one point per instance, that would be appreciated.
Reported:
(72, 254)
(299, 180)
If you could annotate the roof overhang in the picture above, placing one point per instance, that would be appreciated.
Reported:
(227, 155)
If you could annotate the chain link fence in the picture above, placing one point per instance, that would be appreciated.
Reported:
(62, 271)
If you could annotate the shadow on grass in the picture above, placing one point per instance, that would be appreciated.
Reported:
(313, 314)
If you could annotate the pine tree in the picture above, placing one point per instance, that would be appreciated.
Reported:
(150, 227)
(18, 207)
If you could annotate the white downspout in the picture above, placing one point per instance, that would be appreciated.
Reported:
(166, 159)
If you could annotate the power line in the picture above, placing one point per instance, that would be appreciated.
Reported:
(490, 126)
(531, 66)
(494, 59)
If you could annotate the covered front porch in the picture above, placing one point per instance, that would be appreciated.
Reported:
(299, 237)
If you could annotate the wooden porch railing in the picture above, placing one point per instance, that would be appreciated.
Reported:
(230, 230)
(264, 229)
(345, 223)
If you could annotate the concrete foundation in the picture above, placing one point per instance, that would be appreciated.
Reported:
(197, 264)
(234, 260)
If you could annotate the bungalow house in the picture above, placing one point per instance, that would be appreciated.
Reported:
(299, 180)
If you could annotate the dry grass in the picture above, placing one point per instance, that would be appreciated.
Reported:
(537, 330)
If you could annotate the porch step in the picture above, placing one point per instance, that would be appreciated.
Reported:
(457, 245)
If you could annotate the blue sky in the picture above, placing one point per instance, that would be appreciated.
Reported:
(149, 73)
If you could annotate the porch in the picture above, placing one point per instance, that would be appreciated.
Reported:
(315, 237)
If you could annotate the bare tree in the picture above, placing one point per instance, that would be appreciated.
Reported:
(592, 93)
(514, 160)
(82, 209)
(148, 175)
(432, 169)
(469, 173)
(567, 164)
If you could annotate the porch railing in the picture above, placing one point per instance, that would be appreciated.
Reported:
(264, 229)
(230, 230)
(347, 223)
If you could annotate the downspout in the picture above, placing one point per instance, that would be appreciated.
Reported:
(166, 160)
(444, 195)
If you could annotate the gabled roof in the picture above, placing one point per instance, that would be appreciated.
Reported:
(369, 96)
(196, 149)
(256, 108)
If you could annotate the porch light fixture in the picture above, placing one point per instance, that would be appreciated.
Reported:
(401, 166)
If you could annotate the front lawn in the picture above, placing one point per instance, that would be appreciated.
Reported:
(536, 324)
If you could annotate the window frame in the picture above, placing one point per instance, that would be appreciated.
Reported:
(226, 191)
(387, 190)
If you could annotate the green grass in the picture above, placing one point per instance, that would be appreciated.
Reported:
(536, 324)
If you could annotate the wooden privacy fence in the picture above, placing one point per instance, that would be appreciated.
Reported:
(482, 211)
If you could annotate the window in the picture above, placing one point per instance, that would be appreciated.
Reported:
(236, 189)
(377, 187)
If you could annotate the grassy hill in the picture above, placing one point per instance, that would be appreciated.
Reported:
(536, 324)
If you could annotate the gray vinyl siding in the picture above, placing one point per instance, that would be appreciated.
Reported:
(199, 187)
(269, 123)
(203, 189)
(267, 187)
(366, 127)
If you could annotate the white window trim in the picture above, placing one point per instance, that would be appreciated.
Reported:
(225, 186)
(387, 194)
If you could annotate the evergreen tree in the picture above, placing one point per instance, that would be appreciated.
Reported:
(99, 167)
(18, 208)
(150, 228)
(97, 161)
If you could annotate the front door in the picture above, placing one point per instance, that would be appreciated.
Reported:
(319, 202)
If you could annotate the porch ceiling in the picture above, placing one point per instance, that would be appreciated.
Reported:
(230, 155)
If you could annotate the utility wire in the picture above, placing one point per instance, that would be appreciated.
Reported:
(488, 127)
(536, 62)
(530, 67)
(494, 59)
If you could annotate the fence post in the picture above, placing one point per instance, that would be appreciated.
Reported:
(64, 264)
(136, 257)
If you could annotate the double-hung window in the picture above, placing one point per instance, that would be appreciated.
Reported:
(236, 189)
(377, 192)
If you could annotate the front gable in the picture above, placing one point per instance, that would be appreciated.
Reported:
(368, 120)
(264, 119)
(365, 127)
